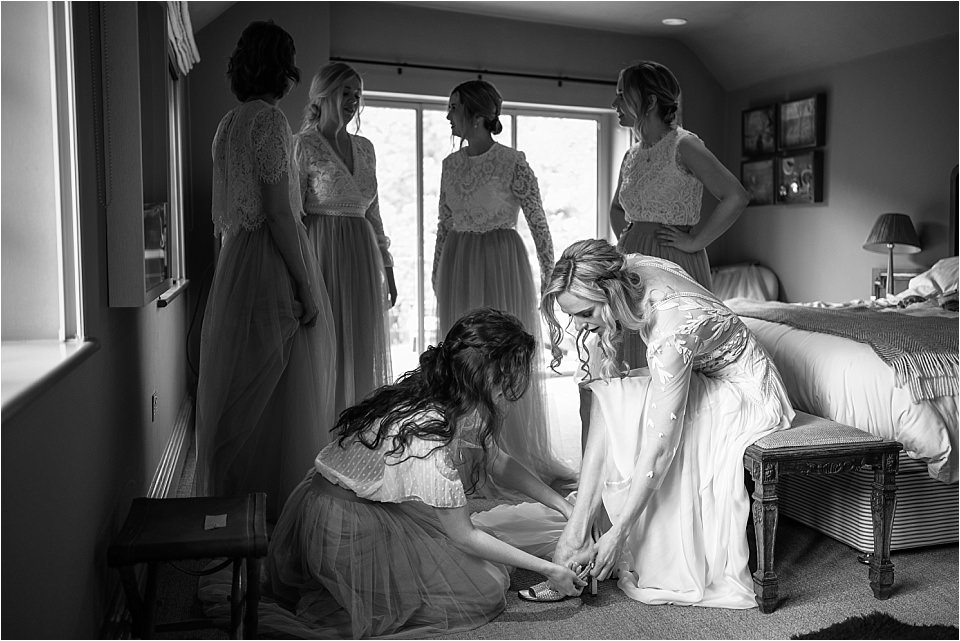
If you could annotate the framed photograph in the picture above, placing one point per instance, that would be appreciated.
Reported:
(759, 127)
(802, 123)
(757, 177)
(800, 178)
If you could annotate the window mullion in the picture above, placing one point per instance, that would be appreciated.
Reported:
(421, 272)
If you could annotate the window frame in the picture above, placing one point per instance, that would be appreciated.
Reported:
(612, 143)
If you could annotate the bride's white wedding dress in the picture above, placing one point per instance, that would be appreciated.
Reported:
(711, 390)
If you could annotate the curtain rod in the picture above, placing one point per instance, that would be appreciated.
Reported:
(479, 72)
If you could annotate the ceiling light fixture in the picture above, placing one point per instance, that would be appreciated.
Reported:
(674, 22)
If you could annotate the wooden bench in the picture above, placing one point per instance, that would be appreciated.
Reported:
(810, 447)
(166, 530)
(814, 446)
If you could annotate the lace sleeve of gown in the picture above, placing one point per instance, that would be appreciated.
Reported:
(670, 356)
(425, 473)
(373, 211)
(300, 164)
(271, 146)
(443, 227)
(527, 191)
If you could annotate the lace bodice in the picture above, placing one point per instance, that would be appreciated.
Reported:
(423, 472)
(329, 188)
(688, 329)
(252, 146)
(656, 187)
(486, 192)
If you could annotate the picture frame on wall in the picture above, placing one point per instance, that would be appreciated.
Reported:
(757, 177)
(799, 178)
(759, 131)
(801, 123)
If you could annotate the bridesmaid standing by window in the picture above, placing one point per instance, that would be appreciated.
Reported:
(265, 395)
(480, 260)
(338, 181)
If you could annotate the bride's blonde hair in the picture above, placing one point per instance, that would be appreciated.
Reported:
(596, 272)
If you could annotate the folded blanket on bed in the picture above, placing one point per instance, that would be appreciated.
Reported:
(921, 350)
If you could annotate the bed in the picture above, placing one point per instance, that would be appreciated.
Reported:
(829, 372)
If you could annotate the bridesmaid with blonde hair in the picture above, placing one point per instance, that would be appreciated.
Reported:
(338, 183)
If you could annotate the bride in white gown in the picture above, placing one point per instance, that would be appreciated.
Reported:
(664, 452)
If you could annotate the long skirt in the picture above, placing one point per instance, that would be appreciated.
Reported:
(641, 238)
(689, 546)
(492, 269)
(352, 268)
(342, 567)
(264, 395)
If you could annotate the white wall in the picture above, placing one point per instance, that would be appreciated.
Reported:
(891, 143)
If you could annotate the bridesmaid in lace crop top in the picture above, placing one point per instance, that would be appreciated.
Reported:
(338, 180)
(656, 207)
(480, 260)
(378, 539)
(665, 447)
(265, 382)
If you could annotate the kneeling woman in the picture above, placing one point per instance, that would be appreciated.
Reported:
(378, 539)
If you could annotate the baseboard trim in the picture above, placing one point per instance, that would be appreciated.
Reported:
(162, 485)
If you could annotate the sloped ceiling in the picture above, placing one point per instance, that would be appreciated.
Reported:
(741, 43)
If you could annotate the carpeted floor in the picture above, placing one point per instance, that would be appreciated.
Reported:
(822, 583)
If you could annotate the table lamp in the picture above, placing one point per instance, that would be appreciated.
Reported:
(894, 234)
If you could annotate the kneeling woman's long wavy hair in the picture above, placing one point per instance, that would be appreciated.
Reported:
(596, 272)
(485, 352)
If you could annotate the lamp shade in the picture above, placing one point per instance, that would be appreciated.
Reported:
(896, 230)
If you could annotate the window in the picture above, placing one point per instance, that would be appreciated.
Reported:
(571, 150)
(42, 303)
(41, 292)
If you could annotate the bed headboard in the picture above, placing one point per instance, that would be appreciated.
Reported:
(746, 280)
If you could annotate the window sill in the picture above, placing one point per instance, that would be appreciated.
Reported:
(177, 288)
(29, 368)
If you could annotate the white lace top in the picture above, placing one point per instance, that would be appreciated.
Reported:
(252, 146)
(424, 472)
(688, 329)
(330, 189)
(656, 187)
(486, 192)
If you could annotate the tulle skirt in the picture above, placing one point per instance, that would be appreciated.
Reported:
(352, 268)
(343, 567)
(492, 269)
(640, 238)
(264, 395)
(689, 546)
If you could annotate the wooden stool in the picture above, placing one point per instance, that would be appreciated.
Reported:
(175, 530)
(812, 446)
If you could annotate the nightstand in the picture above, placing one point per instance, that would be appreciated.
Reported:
(901, 278)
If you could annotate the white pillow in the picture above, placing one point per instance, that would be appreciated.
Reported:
(940, 279)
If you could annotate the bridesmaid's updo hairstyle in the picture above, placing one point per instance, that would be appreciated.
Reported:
(481, 99)
(596, 272)
(643, 80)
(486, 352)
(263, 62)
(325, 93)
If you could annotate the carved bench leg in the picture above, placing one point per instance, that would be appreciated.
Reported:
(766, 584)
(882, 506)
